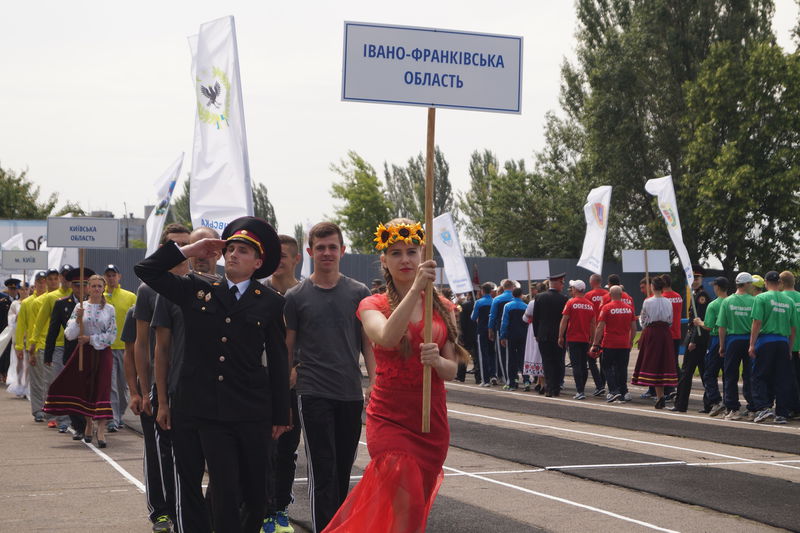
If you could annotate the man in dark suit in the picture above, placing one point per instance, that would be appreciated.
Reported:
(62, 310)
(546, 320)
(223, 391)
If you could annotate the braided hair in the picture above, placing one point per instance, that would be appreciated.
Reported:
(394, 298)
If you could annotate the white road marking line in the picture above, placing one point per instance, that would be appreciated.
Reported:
(615, 465)
(611, 437)
(724, 463)
(115, 465)
(624, 407)
(562, 500)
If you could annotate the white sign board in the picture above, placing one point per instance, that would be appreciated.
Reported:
(657, 261)
(83, 232)
(528, 270)
(431, 67)
(16, 260)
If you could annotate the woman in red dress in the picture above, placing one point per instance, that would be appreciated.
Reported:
(405, 471)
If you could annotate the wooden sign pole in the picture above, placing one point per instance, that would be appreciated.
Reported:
(428, 326)
(80, 322)
(646, 275)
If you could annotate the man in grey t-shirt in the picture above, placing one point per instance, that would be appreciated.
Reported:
(321, 323)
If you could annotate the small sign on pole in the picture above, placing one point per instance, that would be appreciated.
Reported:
(432, 67)
(528, 270)
(15, 260)
(83, 232)
(645, 261)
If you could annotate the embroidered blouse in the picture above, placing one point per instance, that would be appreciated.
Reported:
(99, 324)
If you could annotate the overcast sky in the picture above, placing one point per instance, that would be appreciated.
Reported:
(96, 99)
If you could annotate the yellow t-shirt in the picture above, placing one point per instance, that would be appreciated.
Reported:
(45, 304)
(122, 300)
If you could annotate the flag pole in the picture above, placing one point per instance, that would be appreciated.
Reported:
(428, 325)
(80, 321)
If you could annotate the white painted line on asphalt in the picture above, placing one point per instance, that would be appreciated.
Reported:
(623, 407)
(487, 473)
(611, 437)
(562, 500)
(724, 463)
(115, 465)
(615, 465)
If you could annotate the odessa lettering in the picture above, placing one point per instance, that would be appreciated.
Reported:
(451, 57)
(620, 311)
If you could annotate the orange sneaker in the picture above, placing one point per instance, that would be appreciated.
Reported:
(52, 424)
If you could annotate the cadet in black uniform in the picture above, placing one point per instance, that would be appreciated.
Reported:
(223, 390)
(546, 320)
(12, 284)
(696, 347)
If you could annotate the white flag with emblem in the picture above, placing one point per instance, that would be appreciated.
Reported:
(165, 185)
(219, 189)
(595, 210)
(665, 191)
(445, 238)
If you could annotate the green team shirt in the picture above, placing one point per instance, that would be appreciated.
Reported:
(712, 312)
(776, 311)
(734, 314)
(794, 295)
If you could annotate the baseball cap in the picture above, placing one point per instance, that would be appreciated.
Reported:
(111, 267)
(51, 271)
(577, 284)
(41, 274)
(720, 282)
(772, 276)
(65, 269)
(743, 277)
(758, 281)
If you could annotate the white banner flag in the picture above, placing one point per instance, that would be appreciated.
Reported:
(16, 242)
(219, 189)
(595, 210)
(164, 186)
(445, 238)
(305, 269)
(664, 190)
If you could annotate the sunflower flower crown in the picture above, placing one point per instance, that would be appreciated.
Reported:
(407, 233)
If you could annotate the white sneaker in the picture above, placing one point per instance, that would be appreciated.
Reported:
(716, 409)
(763, 415)
(733, 415)
(627, 397)
(579, 396)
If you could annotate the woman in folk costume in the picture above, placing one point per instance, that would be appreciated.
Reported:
(655, 366)
(532, 366)
(87, 392)
(401, 481)
(17, 378)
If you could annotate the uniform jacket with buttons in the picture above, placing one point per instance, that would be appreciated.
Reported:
(62, 310)
(222, 376)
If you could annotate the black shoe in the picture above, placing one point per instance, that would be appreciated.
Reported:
(661, 402)
(77, 436)
(538, 388)
(704, 410)
(676, 410)
(548, 395)
(101, 443)
(87, 439)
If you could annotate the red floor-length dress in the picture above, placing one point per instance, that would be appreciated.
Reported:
(405, 472)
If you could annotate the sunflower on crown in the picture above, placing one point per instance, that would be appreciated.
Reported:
(407, 233)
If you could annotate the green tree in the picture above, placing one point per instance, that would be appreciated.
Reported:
(299, 236)
(19, 197)
(364, 202)
(262, 207)
(475, 202)
(406, 187)
(743, 131)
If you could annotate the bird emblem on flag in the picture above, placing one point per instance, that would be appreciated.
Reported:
(211, 93)
(599, 214)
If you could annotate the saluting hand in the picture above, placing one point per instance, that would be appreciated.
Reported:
(204, 248)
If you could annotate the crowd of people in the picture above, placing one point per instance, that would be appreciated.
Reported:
(751, 338)
(226, 370)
